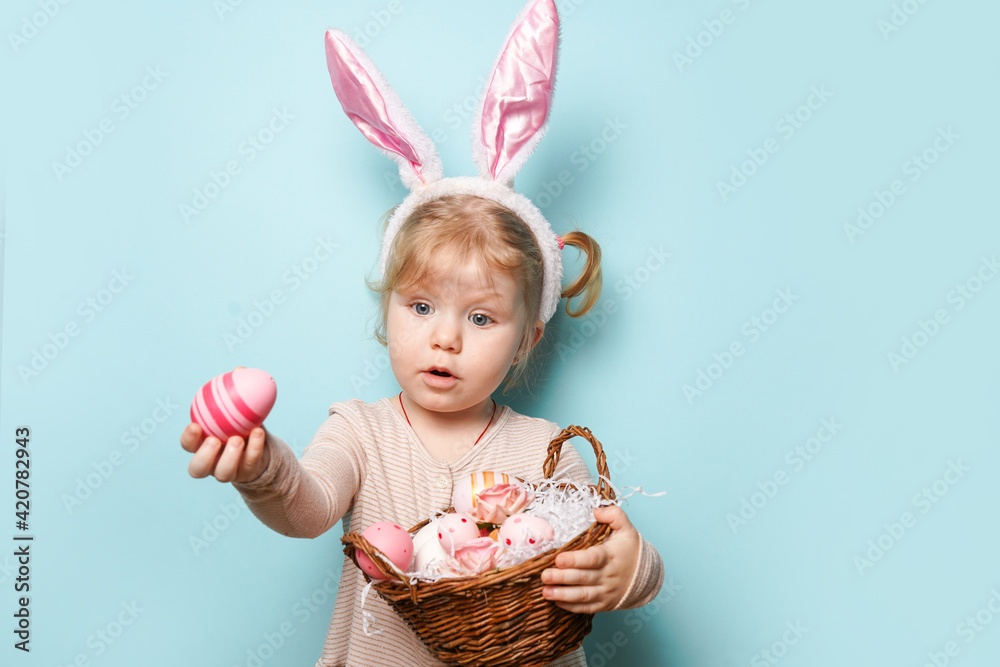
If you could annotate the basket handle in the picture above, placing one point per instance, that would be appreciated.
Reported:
(555, 449)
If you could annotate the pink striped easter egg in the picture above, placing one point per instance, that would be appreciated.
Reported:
(234, 403)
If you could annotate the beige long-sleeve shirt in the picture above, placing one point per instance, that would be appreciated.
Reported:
(365, 464)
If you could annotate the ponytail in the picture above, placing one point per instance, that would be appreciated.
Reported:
(588, 283)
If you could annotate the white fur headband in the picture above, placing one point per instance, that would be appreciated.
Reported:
(511, 120)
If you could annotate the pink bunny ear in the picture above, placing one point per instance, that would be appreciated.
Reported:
(516, 100)
(374, 107)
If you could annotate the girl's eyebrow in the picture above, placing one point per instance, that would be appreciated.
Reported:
(469, 295)
(489, 299)
(486, 293)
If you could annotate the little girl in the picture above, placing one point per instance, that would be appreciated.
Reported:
(470, 274)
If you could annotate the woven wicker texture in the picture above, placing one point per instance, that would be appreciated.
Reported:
(498, 618)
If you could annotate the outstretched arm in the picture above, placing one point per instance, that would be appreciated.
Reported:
(305, 498)
(298, 498)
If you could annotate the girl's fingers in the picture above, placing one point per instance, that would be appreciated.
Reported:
(571, 593)
(576, 599)
(614, 516)
(202, 464)
(254, 453)
(191, 438)
(233, 460)
(571, 577)
(229, 462)
(591, 558)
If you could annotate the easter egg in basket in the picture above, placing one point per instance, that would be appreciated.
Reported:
(427, 547)
(456, 530)
(391, 540)
(463, 497)
(524, 530)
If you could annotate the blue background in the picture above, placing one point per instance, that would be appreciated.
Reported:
(755, 539)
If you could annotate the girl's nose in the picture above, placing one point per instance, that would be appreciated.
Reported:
(447, 335)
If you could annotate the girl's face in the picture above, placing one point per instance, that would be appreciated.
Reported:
(453, 339)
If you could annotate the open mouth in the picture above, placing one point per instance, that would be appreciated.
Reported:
(440, 374)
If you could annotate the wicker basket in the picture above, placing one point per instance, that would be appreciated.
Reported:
(498, 618)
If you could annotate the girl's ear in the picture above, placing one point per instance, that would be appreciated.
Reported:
(537, 333)
(375, 108)
(515, 104)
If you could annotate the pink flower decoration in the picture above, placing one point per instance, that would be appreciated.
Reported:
(479, 555)
(495, 504)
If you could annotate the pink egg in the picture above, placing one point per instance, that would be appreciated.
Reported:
(524, 530)
(456, 530)
(463, 498)
(234, 403)
(391, 540)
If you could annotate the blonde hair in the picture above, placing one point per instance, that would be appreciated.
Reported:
(466, 225)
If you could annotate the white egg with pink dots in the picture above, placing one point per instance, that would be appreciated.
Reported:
(524, 530)
(456, 530)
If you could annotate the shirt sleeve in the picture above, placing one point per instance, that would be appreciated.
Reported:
(646, 580)
(306, 497)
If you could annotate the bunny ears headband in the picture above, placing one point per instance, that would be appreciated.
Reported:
(507, 127)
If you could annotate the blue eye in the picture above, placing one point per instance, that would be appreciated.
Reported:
(480, 320)
(421, 308)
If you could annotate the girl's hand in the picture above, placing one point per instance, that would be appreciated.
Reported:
(237, 461)
(597, 578)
